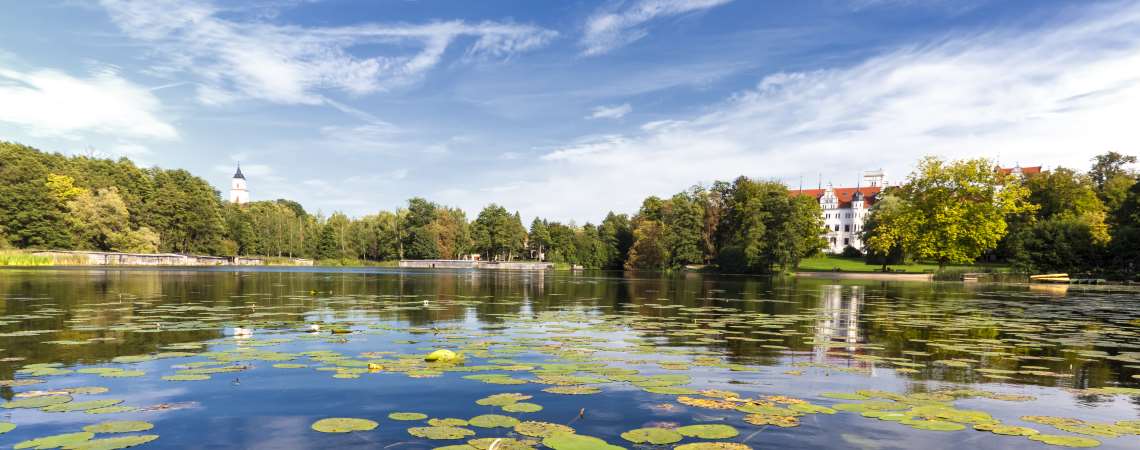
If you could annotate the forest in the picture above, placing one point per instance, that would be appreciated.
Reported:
(53, 201)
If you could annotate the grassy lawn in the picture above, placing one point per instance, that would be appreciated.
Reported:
(828, 263)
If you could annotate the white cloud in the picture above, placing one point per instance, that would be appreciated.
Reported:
(1056, 96)
(609, 29)
(55, 104)
(291, 64)
(610, 112)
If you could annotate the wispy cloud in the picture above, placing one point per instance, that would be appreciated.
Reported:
(291, 64)
(1058, 95)
(611, 28)
(610, 112)
(55, 104)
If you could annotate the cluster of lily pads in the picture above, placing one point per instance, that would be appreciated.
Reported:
(653, 345)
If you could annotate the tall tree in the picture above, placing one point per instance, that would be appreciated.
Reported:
(955, 211)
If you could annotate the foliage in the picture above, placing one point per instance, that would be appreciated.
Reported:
(949, 212)
(498, 235)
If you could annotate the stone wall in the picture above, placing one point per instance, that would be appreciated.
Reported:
(156, 259)
(468, 264)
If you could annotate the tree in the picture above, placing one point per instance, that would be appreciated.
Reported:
(883, 231)
(1109, 166)
(649, 250)
(420, 240)
(539, 238)
(953, 212)
(101, 222)
(495, 233)
(616, 233)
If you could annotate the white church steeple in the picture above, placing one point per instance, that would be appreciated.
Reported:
(238, 193)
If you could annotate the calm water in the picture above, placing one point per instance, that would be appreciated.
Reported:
(1066, 353)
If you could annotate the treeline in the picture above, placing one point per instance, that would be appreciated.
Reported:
(52, 201)
(1061, 220)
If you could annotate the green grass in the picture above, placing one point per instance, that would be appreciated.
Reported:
(829, 263)
(20, 258)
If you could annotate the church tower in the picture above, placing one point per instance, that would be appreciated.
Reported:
(238, 193)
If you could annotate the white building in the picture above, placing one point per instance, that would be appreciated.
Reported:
(238, 193)
(845, 209)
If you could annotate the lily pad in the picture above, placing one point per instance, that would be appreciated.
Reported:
(37, 402)
(503, 399)
(522, 407)
(113, 443)
(1065, 441)
(440, 432)
(407, 416)
(572, 390)
(493, 421)
(343, 425)
(6, 427)
(541, 429)
(56, 441)
(448, 422)
(712, 431)
(119, 426)
(655, 436)
(574, 441)
(81, 406)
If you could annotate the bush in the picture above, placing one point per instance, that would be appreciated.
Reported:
(851, 252)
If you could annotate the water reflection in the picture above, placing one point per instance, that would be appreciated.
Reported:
(838, 319)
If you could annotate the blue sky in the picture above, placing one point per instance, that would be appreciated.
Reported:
(565, 109)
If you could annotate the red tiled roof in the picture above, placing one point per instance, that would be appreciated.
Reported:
(1024, 170)
(844, 195)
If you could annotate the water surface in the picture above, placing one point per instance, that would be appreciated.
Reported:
(589, 349)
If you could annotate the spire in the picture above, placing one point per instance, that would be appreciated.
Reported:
(238, 174)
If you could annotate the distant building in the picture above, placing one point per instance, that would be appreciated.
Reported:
(845, 209)
(1020, 171)
(238, 193)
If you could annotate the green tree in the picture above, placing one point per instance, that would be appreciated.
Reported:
(616, 233)
(495, 234)
(953, 212)
(539, 238)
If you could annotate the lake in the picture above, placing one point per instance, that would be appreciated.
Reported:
(578, 360)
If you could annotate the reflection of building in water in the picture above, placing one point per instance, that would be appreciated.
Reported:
(838, 320)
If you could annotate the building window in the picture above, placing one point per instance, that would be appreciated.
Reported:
(847, 228)
(846, 241)
(837, 228)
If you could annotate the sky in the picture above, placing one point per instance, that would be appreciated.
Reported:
(565, 109)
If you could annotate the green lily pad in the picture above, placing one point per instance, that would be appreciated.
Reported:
(493, 421)
(113, 443)
(343, 425)
(503, 399)
(522, 407)
(6, 427)
(448, 422)
(712, 431)
(541, 429)
(112, 410)
(1065, 441)
(119, 426)
(407, 416)
(56, 441)
(37, 402)
(574, 441)
(440, 433)
(655, 436)
(81, 406)
(572, 390)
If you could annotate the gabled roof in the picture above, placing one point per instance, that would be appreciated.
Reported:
(843, 195)
(238, 174)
